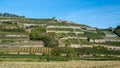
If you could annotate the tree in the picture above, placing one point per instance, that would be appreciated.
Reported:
(110, 29)
(54, 18)
(0, 14)
(118, 27)
(11, 15)
(49, 39)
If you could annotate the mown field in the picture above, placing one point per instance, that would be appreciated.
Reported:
(62, 64)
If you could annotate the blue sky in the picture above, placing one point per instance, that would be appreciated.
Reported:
(96, 13)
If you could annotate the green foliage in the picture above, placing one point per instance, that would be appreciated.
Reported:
(111, 43)
(61, 29)
(84, 41)
(65, 51)
(100, 32)
(71, 41)
(118, 27)
(39, 30)
(92, 35)
(10, 15)
(49, 40)
(59, 54)
(97, 50)
(61, 35)
(38, 33)
(117, 31)
(13, 30)
(18, 56)
(59, 58)
(110, 28)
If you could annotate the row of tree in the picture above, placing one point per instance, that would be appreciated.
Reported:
(10, 15)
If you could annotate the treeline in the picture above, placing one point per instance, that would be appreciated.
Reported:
(117, 30)
(10, 15)
(96, 50)
(68, 53)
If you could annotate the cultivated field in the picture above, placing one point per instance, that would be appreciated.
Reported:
(62, 64)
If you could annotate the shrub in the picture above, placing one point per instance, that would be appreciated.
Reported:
(70, 53)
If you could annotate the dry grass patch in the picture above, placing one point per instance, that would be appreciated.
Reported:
(62, 64)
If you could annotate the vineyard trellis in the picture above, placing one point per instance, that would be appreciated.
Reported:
(29, 50)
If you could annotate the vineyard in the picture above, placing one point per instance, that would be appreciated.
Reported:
(25, 50)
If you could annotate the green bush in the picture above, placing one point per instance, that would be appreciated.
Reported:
(48, 39)
(39, 29)
(67, 51)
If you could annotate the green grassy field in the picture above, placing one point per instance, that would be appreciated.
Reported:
(62, 64)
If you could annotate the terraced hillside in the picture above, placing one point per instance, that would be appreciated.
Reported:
(50, 39)
(18, 31)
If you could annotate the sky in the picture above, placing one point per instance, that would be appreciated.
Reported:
(95, 13)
